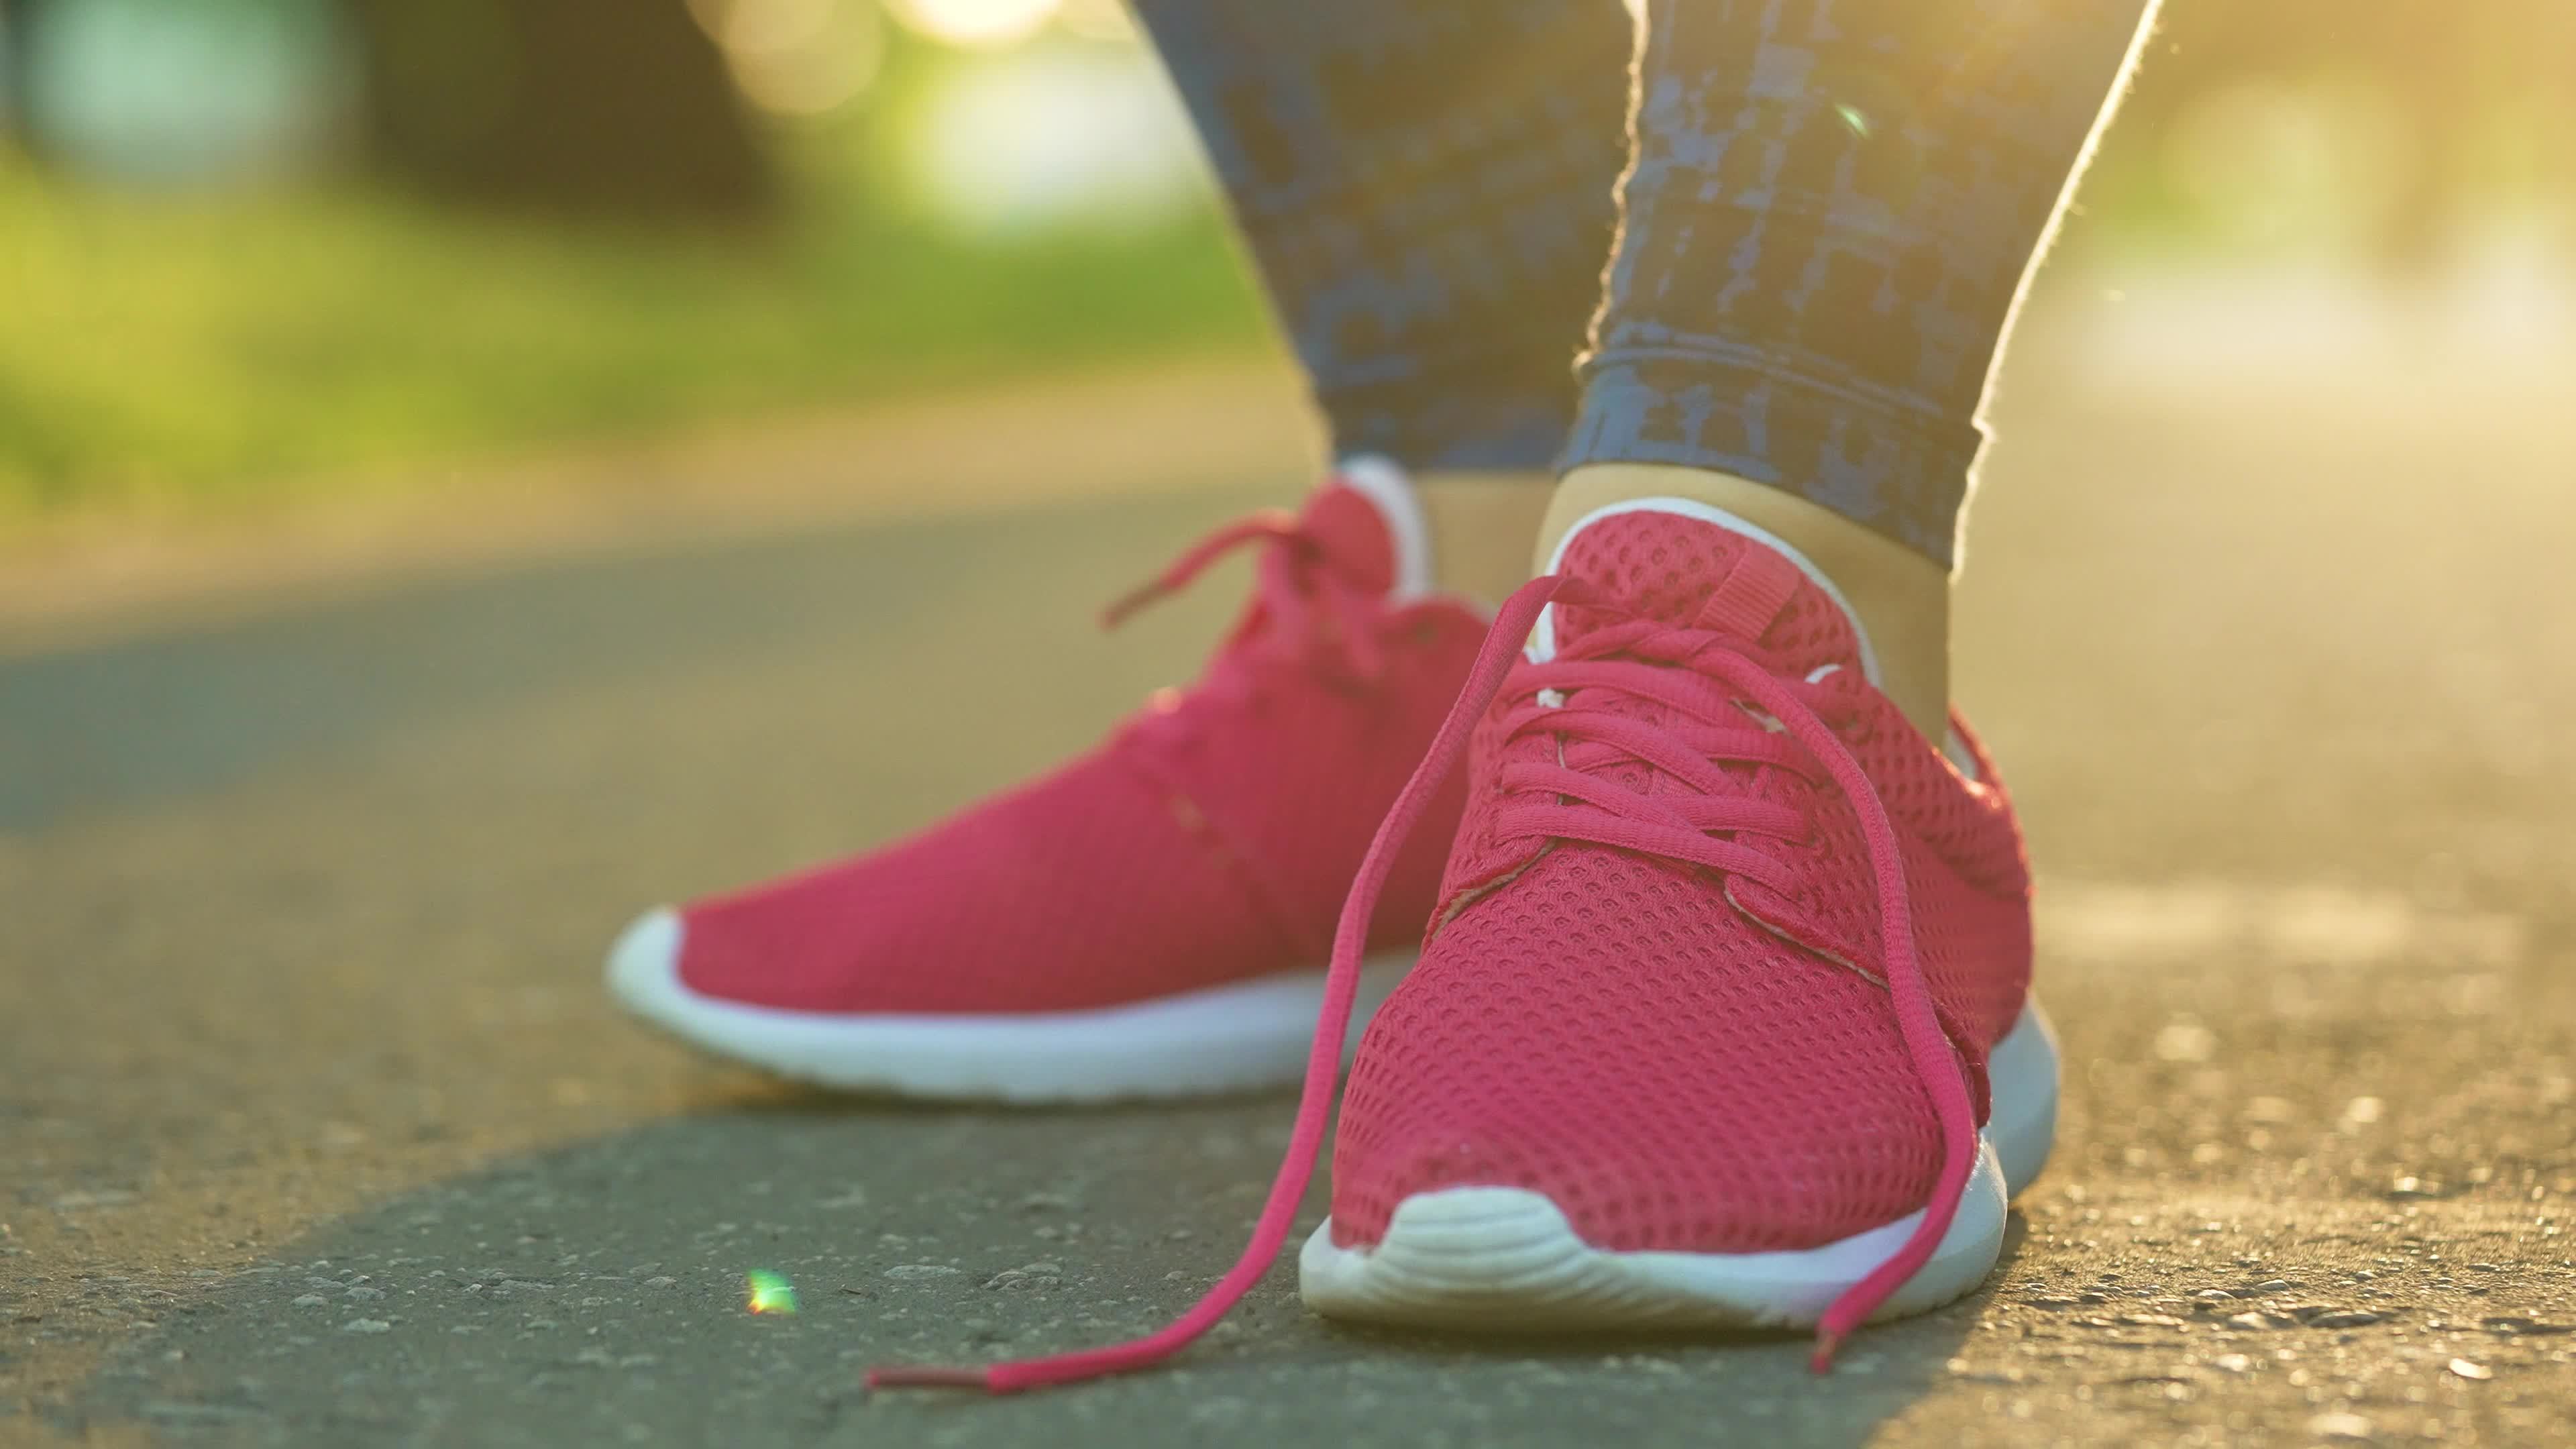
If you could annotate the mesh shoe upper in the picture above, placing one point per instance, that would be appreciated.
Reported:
(1684, 1058)
(1647, 994)
(1211, 839)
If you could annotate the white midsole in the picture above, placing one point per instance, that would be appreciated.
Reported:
(1251, 1034)
(1506, 1258)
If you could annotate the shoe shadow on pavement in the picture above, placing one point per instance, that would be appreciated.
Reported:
(596, 1294)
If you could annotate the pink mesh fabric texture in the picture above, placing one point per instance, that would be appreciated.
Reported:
(1684, 1060)
(1210, 840)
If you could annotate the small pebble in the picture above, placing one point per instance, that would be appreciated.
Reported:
(2270, 1320)
(366, 1325)
(2468, 1370)
(912, 1272)
(310, 1300)
(2339, 1426)
(2345, 1320)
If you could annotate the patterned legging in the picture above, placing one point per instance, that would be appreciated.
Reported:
(1823, 209)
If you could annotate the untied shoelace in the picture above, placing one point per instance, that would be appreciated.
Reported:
(1303, 594)
(1665, 826)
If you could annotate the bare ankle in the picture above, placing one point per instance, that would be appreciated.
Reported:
(1902, 597)
(1481, 525)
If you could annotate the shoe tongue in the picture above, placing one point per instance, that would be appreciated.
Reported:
(1367, 519)
(1688, 564)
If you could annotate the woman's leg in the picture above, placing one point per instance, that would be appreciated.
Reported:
(1425, 189)
(1723, 1017)
(1425, 185)
(1825, 230)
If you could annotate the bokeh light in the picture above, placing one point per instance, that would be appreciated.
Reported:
(1051, 137)
(797, 57)
(2270, 167)
(1098, 19)
(199, 95)
(976, 22)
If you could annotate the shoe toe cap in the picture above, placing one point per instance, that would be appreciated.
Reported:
(644, 963)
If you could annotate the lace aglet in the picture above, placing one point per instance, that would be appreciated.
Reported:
(1822, 1360)
(922, 1376)
(1125, 605)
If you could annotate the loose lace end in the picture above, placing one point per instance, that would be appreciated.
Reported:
(1828, 1341)
(1125, 606)
(1272, 526)
(912, 1376)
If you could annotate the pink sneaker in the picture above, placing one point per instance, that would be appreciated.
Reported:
(1731, 966)
(1153, 918)
(1724, 1017)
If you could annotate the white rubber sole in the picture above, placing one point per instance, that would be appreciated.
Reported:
(1504, 1259)
(1253, 1034)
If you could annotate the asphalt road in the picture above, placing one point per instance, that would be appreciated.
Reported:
(314, 1129)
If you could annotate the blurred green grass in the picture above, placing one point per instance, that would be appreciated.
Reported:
(231, 355)
(220, 356)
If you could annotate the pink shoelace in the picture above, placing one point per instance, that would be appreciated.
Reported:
(1311, 605)
(1312, 619)
(1713, 676)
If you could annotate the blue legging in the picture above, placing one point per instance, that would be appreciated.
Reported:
(1816, 217)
